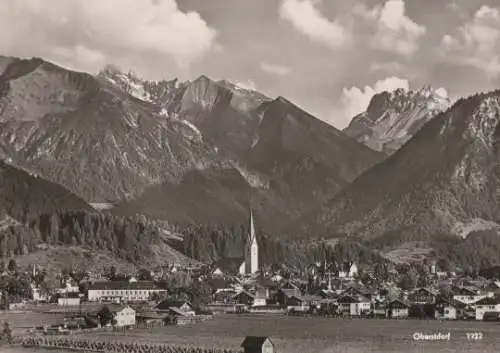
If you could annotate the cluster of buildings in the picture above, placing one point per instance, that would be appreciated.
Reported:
(475, 300)
(239, 285)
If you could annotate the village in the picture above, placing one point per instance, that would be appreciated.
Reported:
(179, 295)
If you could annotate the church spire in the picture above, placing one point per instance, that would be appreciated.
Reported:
(251, 249)
(251, 234)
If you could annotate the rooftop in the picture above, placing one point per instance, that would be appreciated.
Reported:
(123, 285)
(254, 341)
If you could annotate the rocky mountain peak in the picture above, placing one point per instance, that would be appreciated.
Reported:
(445, 180)
(484, 124)
(392, 118)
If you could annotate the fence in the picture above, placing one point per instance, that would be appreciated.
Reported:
(81, 345)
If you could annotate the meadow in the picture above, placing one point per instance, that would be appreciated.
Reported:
(21, 321)
(319, 335)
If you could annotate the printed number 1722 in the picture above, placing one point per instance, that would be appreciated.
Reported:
(474, 336)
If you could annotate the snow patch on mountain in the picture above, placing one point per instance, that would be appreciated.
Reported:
(129, 83)
(253, 179)
(192, 127)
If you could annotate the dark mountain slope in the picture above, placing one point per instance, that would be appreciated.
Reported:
(37, 215)
(296, 163)
(24, 197)
(286, 130)
(443, 181)
(203, 196)
(305, 157)
(86, 134)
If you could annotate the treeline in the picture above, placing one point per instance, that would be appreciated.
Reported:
(208, 243)
(24, 196)
(479, 251)
(130, 239)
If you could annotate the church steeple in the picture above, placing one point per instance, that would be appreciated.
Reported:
(252, 249)
(251, 233)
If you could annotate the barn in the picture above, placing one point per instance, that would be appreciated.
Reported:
(258, 344)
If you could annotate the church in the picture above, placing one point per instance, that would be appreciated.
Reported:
(250, 265)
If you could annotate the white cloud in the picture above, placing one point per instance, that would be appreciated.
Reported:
(453, 5)
(385, 67)
(442, 92)
(91, 32)
(477, 42)
(394, 30)
(305, 16)
(355, 100)
(275, 69)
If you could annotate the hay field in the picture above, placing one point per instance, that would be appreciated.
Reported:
(21, 321)
(321, 335)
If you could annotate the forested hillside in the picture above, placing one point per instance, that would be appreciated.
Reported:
(129, 239)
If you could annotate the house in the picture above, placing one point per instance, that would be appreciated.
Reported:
(467, 295)
(355, 291)
(379, 309)
(348, 271)
(398, 309)
(446, 310)
(258, 344)
(313, 301)
(70, 299)
(297, 303)
(354, 306)
(244, 298)
(224, 296)
(219, 283)
(304, 302)
(492, 289)
(423, 296)
(327, 294)
(69, 287)
(177, 305)
(261, 296)
(286, 292)
(328, 307)
(486, 305)
(123, 315)
(37, 294)
(123, 291)
(464, 311)
(227, 266)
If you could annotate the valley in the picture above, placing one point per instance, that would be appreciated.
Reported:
(176, 155)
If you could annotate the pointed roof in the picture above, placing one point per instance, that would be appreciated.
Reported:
(251, 234)
(254, 341)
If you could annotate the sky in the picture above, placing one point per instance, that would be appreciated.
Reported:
(327, 56)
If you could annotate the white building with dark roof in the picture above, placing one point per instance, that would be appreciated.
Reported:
(123, 291)
(123, 315)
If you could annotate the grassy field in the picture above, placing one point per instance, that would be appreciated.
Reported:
(319, 335)
(20, 322)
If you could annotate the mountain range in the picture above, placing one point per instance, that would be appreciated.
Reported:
(110, 137)
(181, 154)
(443, 182)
